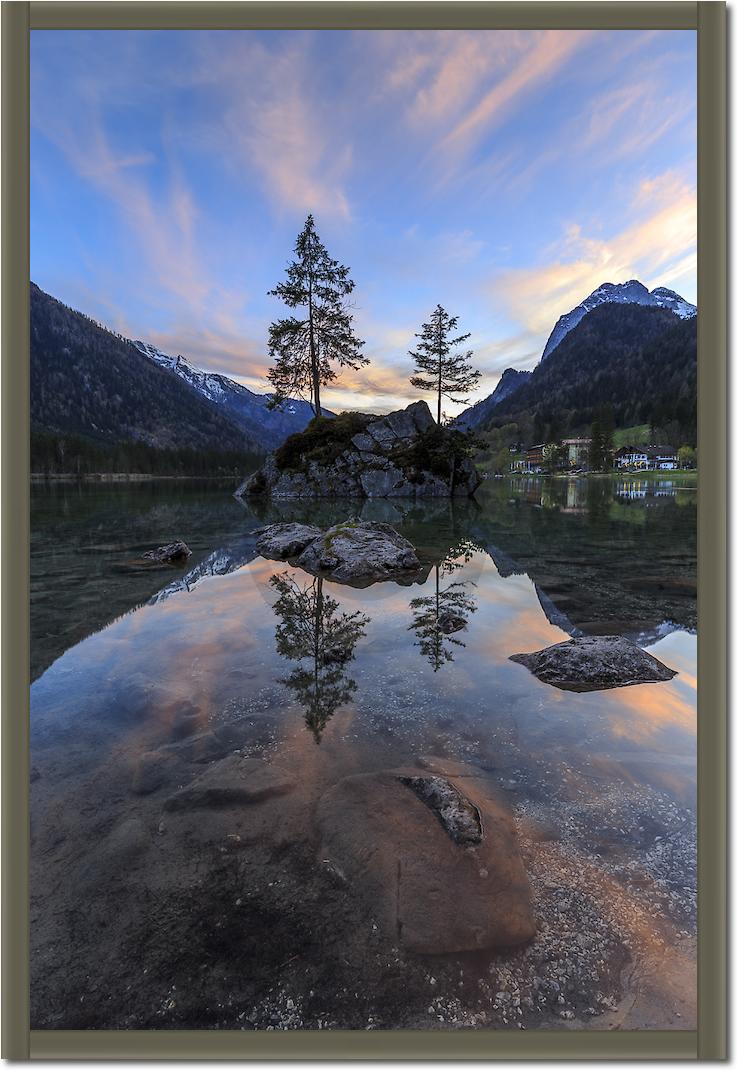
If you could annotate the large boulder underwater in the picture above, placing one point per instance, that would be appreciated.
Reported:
(355, 455)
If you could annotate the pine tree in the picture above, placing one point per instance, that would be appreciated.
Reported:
(607, 437)
(306, 347)
(438, 368)
(596, 453)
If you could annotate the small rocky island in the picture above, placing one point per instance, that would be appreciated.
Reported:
(355, 455)
(355, 552)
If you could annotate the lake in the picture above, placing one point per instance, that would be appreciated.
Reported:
(147, 916)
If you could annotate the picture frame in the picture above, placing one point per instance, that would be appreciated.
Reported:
(708, 1042)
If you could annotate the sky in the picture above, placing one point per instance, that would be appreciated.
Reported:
(503, 174)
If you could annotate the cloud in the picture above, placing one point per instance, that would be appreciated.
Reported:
(659, 247)
(550, 50)
(630, 119)
(275, 121)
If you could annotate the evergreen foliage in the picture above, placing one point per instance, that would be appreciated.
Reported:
(76, 455)
(305, 348)
(323, 440)
(639, 361)
(437, 366)
(88, 381)
(322, 641)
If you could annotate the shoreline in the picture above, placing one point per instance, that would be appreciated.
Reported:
(122, 477)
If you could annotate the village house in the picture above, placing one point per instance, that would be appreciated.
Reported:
(531, 460)
(577, 451)
(662, 457)
(646, 458)
(631, 457)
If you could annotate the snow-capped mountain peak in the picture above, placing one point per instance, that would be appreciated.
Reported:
(630, 292)
(246, 408)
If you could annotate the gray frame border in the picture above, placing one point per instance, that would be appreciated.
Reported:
(709, 1041)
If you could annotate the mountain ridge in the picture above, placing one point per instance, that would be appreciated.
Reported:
(638, 360)
(630, 292)
(87, 380)
(244, 407)
(510, 381)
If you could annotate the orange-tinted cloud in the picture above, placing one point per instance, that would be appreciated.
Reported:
(658, 248)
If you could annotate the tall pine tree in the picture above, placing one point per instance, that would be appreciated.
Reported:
(305, 348)
(596, 448)
(437, 366)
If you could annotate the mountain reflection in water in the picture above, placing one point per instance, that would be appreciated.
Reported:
(144, 678)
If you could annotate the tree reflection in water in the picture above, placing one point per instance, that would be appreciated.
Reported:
(437, 617)
(313, 631)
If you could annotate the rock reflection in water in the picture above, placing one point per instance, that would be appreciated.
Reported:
(313, 632)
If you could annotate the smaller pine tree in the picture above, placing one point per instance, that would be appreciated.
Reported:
(437, 366)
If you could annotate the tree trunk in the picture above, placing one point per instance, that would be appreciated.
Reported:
(313, 362)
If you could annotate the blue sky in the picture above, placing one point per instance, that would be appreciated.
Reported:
(505, 174)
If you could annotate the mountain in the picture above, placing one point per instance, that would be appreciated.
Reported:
(638, 360)
(479, 413)
(624, 293)
(88, 381)
(242, 406)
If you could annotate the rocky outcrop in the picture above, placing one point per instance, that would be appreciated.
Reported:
(593, 663)
(402, 455)
(354, 552)
(174, 553)
(435, 858)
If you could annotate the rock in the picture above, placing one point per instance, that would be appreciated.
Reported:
(384, 457)
(450, 767)
(593, 663)
(364, 443)
(435, 858)
(459, 817)
(230, 781)
(153, 770)
(360, 552)
(282, 541)
(173, 553)
(383, 482)
(382, 434)
(409, 422)
(203, 747)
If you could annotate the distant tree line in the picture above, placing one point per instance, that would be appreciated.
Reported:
(76, 455)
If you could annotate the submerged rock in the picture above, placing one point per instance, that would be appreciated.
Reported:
(152, 771)
(173, 553)
(402, 455)
(360, 551)
(230, 781)
(593, 663)
(435, 858)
